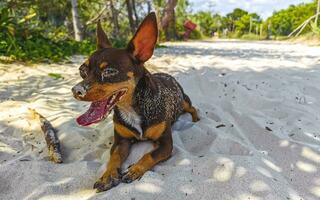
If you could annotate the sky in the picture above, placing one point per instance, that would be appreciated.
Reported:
(264, 8)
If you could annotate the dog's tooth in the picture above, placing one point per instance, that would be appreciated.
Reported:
(113, 98)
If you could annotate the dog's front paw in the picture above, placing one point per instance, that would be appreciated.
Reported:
(195, 119)
(107, 181)
(134, 172)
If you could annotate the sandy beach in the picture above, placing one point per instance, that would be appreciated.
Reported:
(258, 137)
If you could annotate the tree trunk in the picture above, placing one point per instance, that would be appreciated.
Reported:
(168, 20)
(149, 6)
(135, 13)
(77, 27)
(115, 21)
(130, 16)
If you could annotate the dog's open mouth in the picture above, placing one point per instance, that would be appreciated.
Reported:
(100, 109)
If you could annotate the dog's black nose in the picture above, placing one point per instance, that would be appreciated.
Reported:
(78, 91)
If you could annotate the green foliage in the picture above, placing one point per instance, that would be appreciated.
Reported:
(160, 46)
(233, 35)
(285, 21)
(236, 14)
(181, 17)
(55, 76)
(32, 35)
(207, 22)
(240, 22)
(251, 36)
(315, 29)
(24, 38)
(310, 38)
(243, 24)
(196, 35)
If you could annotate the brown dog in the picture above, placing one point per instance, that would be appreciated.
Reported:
(145, 105)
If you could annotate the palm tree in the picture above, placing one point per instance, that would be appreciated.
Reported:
(77, 27)
(168, 20)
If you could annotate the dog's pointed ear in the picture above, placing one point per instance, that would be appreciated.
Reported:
(143, 42)
(102, 39)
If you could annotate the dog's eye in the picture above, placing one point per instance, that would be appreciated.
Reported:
(107, 72)
(83, 71)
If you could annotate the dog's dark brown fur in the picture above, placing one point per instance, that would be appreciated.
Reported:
(152, 102)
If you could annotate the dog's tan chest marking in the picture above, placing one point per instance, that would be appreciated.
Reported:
(154, 132)
(124, 131)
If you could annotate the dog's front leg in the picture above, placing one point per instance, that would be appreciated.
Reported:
(160, 153)
(119, 152)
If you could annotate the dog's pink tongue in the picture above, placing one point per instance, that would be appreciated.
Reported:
(94, 114)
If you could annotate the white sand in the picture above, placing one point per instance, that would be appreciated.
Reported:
(239, 87)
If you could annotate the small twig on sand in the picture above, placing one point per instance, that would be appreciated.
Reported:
(51, 137)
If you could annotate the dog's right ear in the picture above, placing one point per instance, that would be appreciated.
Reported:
(102, 39)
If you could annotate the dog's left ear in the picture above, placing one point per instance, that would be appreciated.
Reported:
(143, 42)
(102, 39)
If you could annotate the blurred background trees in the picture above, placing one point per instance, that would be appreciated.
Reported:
(37, 30)
(285, 21)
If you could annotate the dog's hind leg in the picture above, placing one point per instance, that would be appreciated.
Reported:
(187, 107)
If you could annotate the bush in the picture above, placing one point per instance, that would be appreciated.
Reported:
(234, 35)
(279, 38)
(22, 40)
(310, 38)
(39, 49)
(119, 42)
(252, 37)
(27, 39)
(196, 35)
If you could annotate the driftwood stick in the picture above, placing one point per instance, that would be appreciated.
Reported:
(51, 137)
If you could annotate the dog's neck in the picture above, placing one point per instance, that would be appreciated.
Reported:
(129, 109)
(143, 84)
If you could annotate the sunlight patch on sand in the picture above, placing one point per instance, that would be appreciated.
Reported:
(310, 154)
(148, 187)
(259, 186)
(223, 172)
(306, 167)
